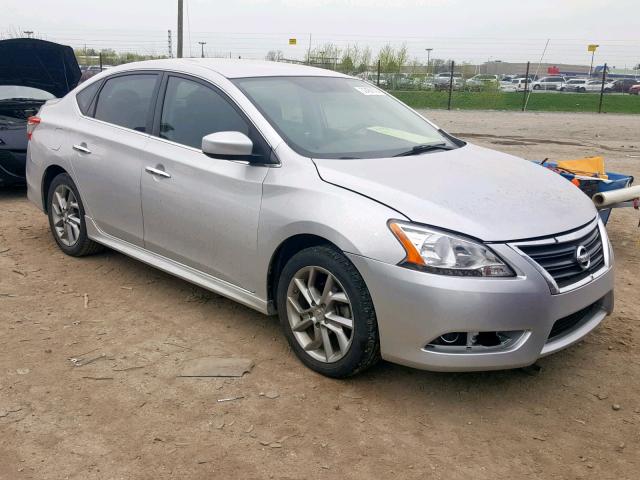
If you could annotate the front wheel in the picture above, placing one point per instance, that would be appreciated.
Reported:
(66, 218)
(327, 313)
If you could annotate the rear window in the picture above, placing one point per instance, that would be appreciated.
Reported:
(126, 101)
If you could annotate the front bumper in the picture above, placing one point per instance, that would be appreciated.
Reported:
(414, 308)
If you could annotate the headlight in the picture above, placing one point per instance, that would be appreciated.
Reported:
(439, 252)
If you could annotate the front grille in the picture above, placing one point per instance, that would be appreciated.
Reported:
(559, 259)
(568, 323)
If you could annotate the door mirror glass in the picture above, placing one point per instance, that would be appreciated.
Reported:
(232, 145)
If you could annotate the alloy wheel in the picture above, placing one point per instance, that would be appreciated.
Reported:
(65, 213)
(320, 314)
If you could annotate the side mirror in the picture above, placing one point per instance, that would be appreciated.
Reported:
(228, 145)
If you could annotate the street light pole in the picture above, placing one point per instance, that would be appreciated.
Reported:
(180, 25)
(202, 44)
(429, 50)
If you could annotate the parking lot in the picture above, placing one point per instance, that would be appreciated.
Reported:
(120, 410)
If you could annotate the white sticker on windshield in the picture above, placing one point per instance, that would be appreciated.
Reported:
(369, 91)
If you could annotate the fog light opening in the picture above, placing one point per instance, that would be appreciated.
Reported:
(470, 341)
(450, 338)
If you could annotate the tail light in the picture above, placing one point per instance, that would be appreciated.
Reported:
(32, 123)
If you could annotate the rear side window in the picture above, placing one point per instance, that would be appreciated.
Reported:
(192, 111)
(126, 101)
(85, 97)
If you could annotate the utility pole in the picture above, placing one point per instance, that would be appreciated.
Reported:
(169, 44)
(28, 33)
(429, 50)
(180, 22)
(202, 44)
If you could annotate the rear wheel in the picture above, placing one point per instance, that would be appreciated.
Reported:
(327, 313)
(66, 218)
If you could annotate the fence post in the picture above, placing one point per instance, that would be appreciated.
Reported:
(604, 77)
(450, 85)
(526, 88)
(378, 81)
(100, 55)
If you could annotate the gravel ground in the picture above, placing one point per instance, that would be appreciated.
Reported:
(126, 414)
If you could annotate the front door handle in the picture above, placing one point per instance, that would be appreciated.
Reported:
(157, 171)
(82, 148)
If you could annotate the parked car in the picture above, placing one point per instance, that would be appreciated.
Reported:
(622, 85)
(442, 80)
(314, 195)
(31, 72)
(549, 83)
(507, 87)
(586, 85)
(576, 85)
(634, 90)
(521, 83)
(482, 81)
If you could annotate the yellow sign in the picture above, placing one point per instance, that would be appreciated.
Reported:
(592, 47)
(293, 41)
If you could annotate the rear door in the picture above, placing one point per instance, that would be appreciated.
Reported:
(201, 211)
(109, 142)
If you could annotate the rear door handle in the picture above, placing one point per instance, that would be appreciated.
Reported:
(157, 171)
(82, 148)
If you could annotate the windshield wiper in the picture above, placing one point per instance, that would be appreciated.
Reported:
(427, 147)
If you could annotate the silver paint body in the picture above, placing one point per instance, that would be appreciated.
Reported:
(217, 223)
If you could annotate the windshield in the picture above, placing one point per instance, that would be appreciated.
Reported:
(329, 117)
(8, 92)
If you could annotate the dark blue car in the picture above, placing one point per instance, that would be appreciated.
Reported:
(31, 72)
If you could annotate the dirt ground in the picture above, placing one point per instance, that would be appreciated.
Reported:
(127, 414)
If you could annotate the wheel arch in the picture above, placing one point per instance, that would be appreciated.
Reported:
(283, 253)
(50, 173)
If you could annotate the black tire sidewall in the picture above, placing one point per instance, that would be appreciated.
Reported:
(78, 247)
(365, 332)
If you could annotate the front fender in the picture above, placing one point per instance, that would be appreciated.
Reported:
(296, 201)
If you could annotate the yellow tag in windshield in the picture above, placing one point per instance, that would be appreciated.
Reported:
(402, 135)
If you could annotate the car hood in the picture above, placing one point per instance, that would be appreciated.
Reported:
(38, 64)
(472, 190)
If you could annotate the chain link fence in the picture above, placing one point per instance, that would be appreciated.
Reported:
(464, 86)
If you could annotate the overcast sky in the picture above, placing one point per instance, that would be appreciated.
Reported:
(465, 30)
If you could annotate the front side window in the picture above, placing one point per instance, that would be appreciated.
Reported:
(192, 110)
(329, 117)
(126, 101)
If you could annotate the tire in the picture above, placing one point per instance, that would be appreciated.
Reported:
(536, 87)
(78, 243)
(363, 350)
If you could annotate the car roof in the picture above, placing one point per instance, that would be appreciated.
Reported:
(230, 68)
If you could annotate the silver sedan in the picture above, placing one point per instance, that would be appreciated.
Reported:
(371, 232)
